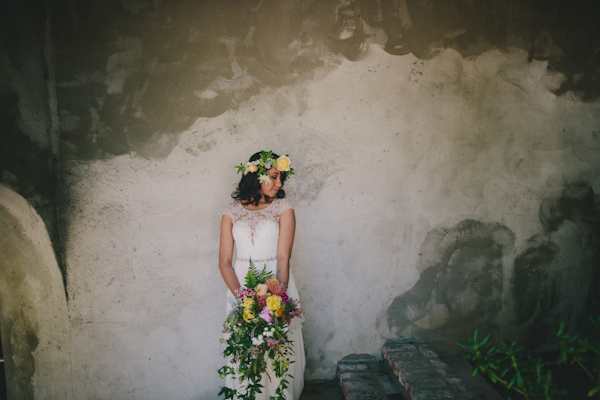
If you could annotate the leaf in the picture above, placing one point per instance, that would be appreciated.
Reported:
(510, 383)
(485, 340)
(593, 391)
(519, 379)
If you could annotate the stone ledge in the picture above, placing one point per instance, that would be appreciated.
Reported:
(362, 377)
(421, 372)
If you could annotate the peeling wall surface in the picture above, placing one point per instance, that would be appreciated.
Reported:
(447, 158)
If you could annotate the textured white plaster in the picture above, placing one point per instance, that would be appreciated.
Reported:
(385, 149)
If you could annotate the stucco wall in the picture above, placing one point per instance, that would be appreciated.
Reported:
(447, 169)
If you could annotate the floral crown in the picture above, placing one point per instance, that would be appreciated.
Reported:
(266, 162)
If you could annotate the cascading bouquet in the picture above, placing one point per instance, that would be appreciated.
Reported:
(256, 331)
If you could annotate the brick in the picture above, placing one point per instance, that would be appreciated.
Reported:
(414, 364)
(429, 394)
(408, 376)
(427, 352)
(402, 355)
(357, 395)
(465, 396)
(442, 368)
(457, 384)
(400, 346)
(351, 367)
(365, 385)
(427, 383)
(353, 375)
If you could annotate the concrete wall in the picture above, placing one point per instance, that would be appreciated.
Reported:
(447, 159)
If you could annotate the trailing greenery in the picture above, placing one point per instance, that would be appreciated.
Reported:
(509, 365)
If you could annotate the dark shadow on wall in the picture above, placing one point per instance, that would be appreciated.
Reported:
(25, 166)
(556, 277)
(563, 32)
(460, 285)
(132, 75)
(27, 161)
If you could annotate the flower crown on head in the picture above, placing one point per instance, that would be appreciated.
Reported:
(266, 162)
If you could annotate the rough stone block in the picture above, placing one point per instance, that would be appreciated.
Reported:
(465, 396)
(402, 355)
(352, 375)
(351, 367)
(442, 368)
(400, 346)
(358, 395)
(363, 384)
(457, 384)
(427, 383)
(419, 394)
(428, 352)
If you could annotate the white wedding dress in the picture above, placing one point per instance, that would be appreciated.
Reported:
(256, 234)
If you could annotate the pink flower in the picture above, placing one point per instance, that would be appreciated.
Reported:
(246, 293)
(271, 342)
(262, 301)
(284, 297)
(274, 286)
(266, 315)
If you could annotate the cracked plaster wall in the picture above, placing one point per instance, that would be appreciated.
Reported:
(428, 142)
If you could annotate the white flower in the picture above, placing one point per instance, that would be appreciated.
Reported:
(257, 341)
(269, 163)
(264, 179)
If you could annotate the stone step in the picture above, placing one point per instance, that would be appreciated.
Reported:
(422, 373)
(409, 371)
(363, 377)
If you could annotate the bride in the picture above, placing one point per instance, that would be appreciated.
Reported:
(261, 224)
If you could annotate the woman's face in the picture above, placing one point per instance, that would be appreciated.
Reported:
(271, 189)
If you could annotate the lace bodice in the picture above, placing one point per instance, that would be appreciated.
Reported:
(256, 233)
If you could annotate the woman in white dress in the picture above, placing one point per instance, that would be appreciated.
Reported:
(261, 224)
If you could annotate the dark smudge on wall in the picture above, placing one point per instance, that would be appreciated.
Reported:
(554, 278)
(462, 281)
(133, 75)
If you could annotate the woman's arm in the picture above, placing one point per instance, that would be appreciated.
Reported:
(226, 254)
(287, 229)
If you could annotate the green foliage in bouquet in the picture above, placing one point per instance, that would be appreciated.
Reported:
(256, 334)
(509, 365)
(254, 277)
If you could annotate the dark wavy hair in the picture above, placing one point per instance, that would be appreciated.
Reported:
(248, 190)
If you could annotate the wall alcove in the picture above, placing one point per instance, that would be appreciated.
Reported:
(33, 306)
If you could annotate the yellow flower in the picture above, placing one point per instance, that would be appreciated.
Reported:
(283, 163)
(251, 167)
(280, 312)
(273, 302)
(248, 315)
(248, 303)
(261, 289)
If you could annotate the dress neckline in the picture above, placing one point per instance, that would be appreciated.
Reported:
(262, 209)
